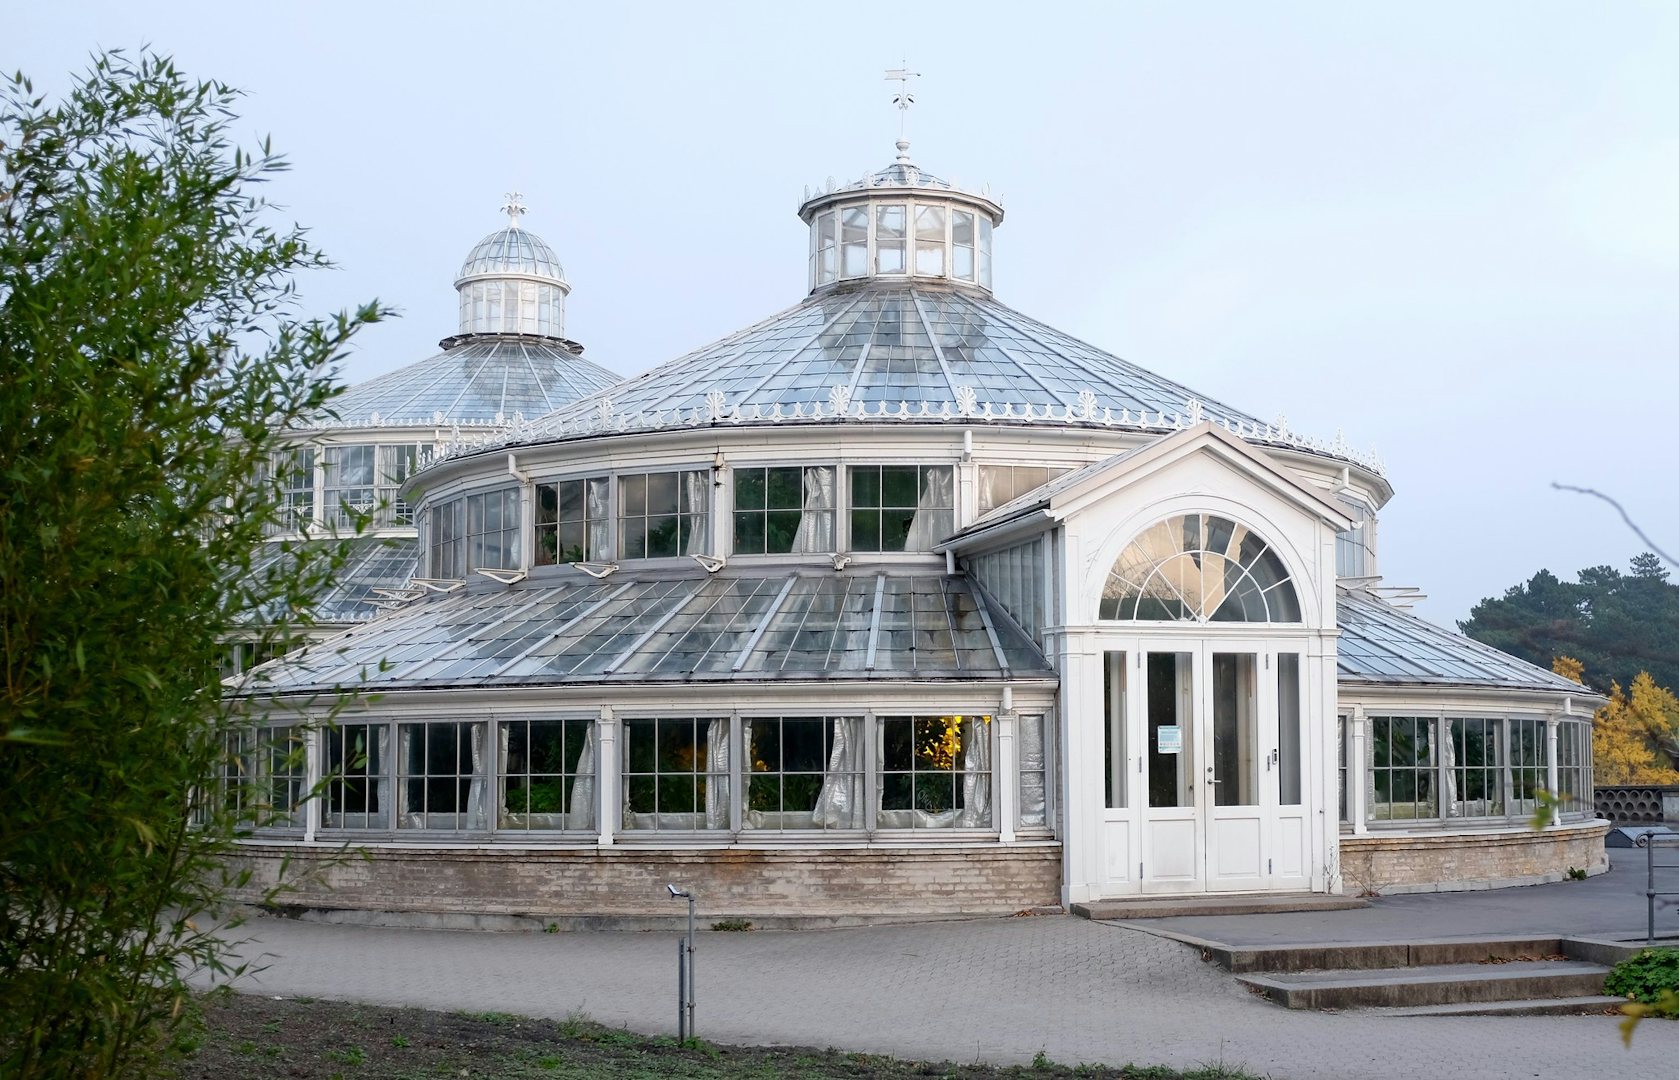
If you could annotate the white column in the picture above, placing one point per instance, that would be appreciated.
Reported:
(1551, 771)
(1358, 771)
(1005, 778)
(607, 777)
(311, 783)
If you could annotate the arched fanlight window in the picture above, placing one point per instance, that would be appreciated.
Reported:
(1199, 568)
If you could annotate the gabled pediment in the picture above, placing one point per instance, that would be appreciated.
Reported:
(1100, 481)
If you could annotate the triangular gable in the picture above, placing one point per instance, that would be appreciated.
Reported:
(1066, 495)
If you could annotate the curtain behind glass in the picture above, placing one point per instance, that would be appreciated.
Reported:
(717, 774)
(696, 510)
(477, 816)
(582, 814)
(1033, 805)
(976, 774)
(816, 518)
(934, 519)
(839, 805)
(597, 496)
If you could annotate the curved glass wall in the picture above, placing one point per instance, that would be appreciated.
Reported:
(512, 306)
(909, 237)
(1443, 768)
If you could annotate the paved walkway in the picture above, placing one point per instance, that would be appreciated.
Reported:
(1609, 905)
(993, 990)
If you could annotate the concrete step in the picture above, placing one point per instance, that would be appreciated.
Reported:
(1433, 984)
(1229, 904)
(1369, 955)
(1592, 1005)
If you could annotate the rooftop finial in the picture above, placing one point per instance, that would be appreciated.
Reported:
(514, 208)
(903, 99)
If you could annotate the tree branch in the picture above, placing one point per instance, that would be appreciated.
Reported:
(1631, 524)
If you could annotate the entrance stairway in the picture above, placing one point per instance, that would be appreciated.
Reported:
(1488, 976)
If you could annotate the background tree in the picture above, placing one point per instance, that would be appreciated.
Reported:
(149, 348)
(1616, 624)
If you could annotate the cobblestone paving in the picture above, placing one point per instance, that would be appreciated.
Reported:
(995, 990)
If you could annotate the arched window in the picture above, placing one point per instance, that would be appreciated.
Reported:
(1199, 568)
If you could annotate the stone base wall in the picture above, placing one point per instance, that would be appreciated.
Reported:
(1383, 862)
(626, 885)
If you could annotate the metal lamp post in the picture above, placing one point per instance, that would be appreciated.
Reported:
(685, 969)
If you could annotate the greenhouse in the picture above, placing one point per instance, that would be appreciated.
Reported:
(896, 603)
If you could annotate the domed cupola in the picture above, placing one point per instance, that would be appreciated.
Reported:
(512, 283)
(900, 224)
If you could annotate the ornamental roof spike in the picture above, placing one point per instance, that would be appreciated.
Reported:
(437, 417)
(1107, 416)
(839, 394)
(1193, 407)
(714, 405)
(1087, 404)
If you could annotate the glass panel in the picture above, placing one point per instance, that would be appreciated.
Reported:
(985, 252)
(1170, 731)
(1235, 756)
(1477, 771)
(548, 769)
(935, 772)
(929, 241)
(854, 242)
(1115, 760)
(1198, 568)
(441, 781)
(889, 239)
(1288, 729)
(1402, 768)
(1034, 786)
(357, 777)
(676, 774)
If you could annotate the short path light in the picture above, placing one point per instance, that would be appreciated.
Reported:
(685, 969)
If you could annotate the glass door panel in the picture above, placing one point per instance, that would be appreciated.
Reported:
(1236, 754)
(1171, 730)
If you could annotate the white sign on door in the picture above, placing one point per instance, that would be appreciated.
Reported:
(1168, 739)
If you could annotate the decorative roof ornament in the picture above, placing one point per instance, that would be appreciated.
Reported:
(903, 99)
(514, 208)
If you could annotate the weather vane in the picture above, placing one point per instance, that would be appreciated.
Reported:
(514, 208)
(903, 99)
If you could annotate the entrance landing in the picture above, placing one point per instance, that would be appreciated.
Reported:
(1151, 907)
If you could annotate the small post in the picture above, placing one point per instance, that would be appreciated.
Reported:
(1650, 889)
(681, 990)
(685, 970)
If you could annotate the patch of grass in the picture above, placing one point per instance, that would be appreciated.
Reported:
(735, 925)
(293, 1039)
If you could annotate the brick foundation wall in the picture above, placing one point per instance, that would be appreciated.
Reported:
(1456, 861)
(628, 882)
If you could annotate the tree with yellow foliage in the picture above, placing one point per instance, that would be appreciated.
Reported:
(1636, 735)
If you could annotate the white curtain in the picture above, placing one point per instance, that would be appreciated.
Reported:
(934, 517)
(746, 758)
(405, 818)
(816, 517)
(582, 814)
(504, 736)
(1033, 806)
(597, 499)
(696, 487)
(1448, 758)
(976, 774)
(839, 805)
(991, 492)
(717, 774)
(477, 816)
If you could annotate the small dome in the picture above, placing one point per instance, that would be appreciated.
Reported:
(512, 250)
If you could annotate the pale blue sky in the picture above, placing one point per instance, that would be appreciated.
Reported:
(1450, 230)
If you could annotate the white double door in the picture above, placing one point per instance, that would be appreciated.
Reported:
(1212, 740)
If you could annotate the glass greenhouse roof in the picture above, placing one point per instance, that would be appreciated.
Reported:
(512, 250)
(1384, 644)
(893, 352)
(483, 381)
(374, 564)
(872, 626)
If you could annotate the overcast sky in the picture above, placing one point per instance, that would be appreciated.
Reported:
(1450, 230)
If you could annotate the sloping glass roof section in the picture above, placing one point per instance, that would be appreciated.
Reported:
(512, 250)
(488, 380)
(885, 351)
(375, 568)
(871, 626)
(1384, 644)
